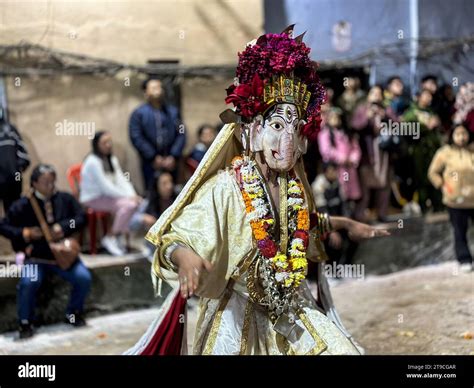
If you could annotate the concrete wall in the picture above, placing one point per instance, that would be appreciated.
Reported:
(39, 105)
(194, 32)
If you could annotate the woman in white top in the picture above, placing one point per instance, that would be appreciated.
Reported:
(104, 187)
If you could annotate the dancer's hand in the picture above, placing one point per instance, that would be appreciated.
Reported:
(359, 231)
(190, 265)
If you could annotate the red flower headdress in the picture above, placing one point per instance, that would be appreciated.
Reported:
(277, 68)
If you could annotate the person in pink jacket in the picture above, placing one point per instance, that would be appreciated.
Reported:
(337, 146)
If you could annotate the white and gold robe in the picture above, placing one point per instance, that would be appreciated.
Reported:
(216, 226)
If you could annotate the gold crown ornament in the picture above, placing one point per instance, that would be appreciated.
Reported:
(286, 89)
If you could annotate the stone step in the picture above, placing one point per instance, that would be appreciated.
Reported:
(118, 283)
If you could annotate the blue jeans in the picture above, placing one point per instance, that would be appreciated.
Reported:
(78, 275)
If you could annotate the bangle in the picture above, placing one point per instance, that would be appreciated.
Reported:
(324, 224)
(169, 251)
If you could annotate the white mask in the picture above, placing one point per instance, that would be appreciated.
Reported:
(278, 137)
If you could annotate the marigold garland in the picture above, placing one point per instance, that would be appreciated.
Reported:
(289, 267)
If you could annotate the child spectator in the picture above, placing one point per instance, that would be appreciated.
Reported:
(206, 135)
(423, 147)
(326, 190)
(161, 195)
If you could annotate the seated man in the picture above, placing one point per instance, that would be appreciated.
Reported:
(64, 216)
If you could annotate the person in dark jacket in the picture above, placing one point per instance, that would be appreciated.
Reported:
(65, 216)
(157, 133)
(14, 160)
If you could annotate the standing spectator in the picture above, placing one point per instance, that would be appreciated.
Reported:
(157, 133)
(452, 171)
(464, 106)
(375, 165)
(338, 146)
(64, 217)
(430, 82)
(446, 107)
(393, 95)
(327, 106)
(351, 97)
(104, 187)
(403, 186)
(421, 150)
(206, 135)
(312, 158)
(14, 160)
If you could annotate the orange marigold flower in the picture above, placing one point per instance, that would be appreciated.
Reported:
(236, 158)
(258, 229)
(248, 202)
(303, 219)
(259, 234)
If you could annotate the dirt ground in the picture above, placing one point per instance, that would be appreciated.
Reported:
(425, 310)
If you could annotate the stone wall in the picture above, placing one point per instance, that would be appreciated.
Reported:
(414, 242)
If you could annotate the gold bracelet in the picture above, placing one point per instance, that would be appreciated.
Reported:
(169, 251)
(324, 224)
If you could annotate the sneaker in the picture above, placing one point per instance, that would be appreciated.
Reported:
(75, 319)
(25, 330)
(111, 245)
(465, 267)
(412, 209)
(121, 241)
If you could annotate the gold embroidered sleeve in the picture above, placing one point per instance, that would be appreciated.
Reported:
(214, 226)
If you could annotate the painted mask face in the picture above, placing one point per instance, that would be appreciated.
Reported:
(278, 137)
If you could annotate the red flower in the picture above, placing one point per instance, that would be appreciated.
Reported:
(247, 97)
(303, 235)
(312, 127)
(267, 247)
(275, 54)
